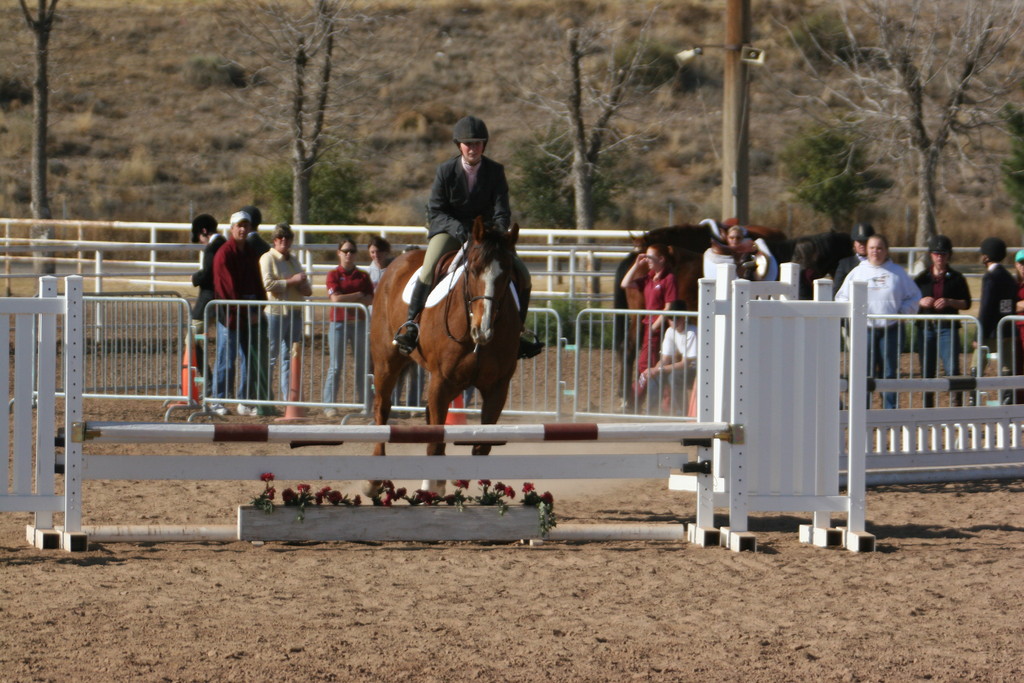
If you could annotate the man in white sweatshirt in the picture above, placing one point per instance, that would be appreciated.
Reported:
(891, 291)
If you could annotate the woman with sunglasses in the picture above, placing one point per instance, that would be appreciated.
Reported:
(347, 284)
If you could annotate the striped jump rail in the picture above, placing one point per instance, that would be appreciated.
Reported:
(688, 433)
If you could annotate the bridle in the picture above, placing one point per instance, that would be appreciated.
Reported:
(468, 300)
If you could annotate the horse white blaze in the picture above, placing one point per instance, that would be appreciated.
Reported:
(482, 330)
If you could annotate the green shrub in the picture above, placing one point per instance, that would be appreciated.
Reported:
(829, 173)
(542, 184)
(1013, 165)
(13, 90)
(340, 193)
(822, 36)
(207, 71)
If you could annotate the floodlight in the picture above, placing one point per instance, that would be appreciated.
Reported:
(686, 55)
(752, 55)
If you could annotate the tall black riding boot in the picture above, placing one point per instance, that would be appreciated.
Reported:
(409, 333)
(528, 348)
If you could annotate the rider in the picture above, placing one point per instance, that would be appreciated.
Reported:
(465, 187)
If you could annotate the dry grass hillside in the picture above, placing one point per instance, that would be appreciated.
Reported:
(134, 135)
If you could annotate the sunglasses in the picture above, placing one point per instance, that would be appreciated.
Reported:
(347, 251)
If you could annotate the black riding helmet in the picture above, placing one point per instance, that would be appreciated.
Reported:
(203, 224)
(994, 248)
(940, 244)
(469, 129)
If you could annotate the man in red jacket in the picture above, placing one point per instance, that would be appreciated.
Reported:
(236, 277)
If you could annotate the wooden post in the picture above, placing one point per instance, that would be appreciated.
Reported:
(735, 170)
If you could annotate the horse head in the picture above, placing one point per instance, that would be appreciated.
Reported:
(489, 271)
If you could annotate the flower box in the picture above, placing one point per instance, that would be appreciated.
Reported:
(393, 523)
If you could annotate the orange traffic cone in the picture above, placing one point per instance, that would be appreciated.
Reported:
(456, 418)
(691, 408)
(189, 379)
(293, 412)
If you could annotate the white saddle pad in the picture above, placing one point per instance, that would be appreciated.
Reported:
(442, 288)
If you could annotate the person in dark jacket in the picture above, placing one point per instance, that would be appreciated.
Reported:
(998, 299)
(944, 291)
(861, 233)
(466, 186)
(204, 231)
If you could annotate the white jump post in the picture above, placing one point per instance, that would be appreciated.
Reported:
(783, 375)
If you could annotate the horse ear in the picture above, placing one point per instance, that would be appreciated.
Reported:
(478, 229)
(513, 235)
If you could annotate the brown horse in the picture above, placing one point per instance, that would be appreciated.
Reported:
(468, 339)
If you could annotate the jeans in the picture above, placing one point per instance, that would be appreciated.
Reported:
(249, 343)
(939, 341)
(224, 363)
(342, 335)
(675, 400)
(284, 331)
(884, 344)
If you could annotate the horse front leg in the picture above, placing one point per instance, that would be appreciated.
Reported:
(439, 396)
(493, 402)
(385, 377)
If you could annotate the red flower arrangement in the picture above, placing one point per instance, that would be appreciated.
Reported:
(497, 495)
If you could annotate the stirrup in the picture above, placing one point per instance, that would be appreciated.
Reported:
(406, 341)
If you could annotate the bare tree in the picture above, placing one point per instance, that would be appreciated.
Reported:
(41, 24)
(310, 58)
(594, 81)
(922, 79)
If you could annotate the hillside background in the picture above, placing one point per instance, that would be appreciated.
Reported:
(136, 136)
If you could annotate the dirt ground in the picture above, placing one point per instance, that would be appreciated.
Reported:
(939, 600)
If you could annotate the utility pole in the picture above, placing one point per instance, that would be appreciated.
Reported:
(735, 168)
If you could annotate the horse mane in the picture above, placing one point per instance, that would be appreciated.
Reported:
(491, 246)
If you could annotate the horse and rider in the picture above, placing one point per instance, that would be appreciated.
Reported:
(466, 187)
(470, 333)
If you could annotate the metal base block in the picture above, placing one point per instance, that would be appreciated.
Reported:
(823, 537)
(702, 536)
(74, 541)
(856, 541)
(43, 539)
(737, 541)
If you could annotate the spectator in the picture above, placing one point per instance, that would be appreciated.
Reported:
(669, 379)
(944, 291)
(236, 277)
(466, 187)
(890, 292)
(380, 256)
(998, 300)
(347, 284)
(252, 238)
(284, 280)
(204, 231)
(653, 275)
(861, 233)
(752, 258)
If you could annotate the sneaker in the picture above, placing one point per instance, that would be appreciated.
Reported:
(245, 411)
(330, 413)
(219, 409)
